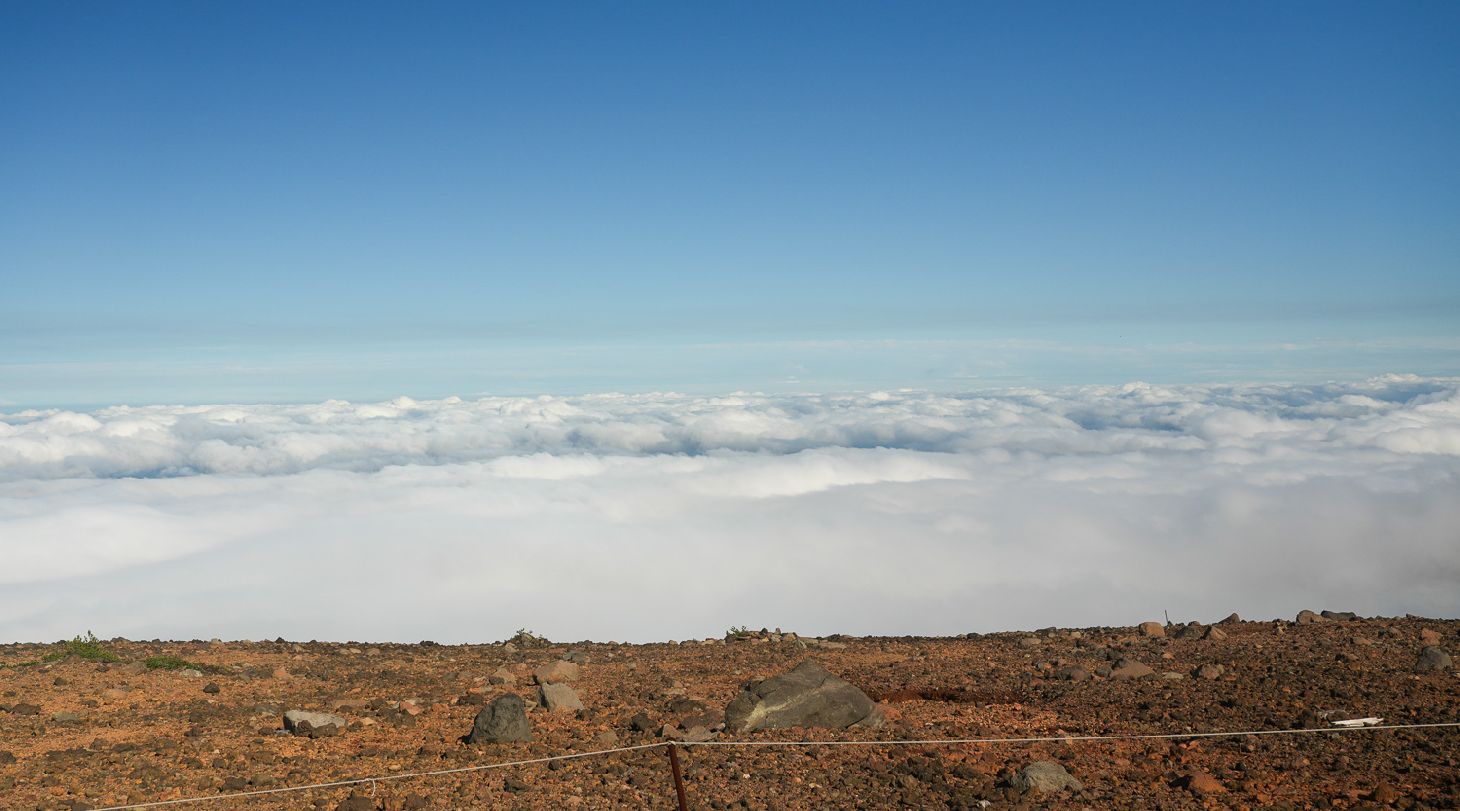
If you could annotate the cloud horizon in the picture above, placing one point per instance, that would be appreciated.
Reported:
(653, 516)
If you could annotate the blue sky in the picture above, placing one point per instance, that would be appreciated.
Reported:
(280, 202)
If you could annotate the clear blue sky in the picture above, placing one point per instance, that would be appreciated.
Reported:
(293, 201)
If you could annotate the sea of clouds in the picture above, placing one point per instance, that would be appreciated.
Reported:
(671, 516)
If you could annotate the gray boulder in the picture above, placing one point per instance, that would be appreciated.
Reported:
(504, 720)
(313, 724)
(1432, 660)
(1044, 776)
(555, 672)
(560, 698)
(808, 696)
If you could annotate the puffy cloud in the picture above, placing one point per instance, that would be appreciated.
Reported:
(646, 516)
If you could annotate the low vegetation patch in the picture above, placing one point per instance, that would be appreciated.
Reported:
(86, 647)
(177, 663)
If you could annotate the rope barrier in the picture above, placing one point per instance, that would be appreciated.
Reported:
(686, 744)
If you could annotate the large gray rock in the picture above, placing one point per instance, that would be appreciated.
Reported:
(808, 696)
(504, 720)
(1432, 660)
(313, 724)
(560, 698)
(1044, 776)
(555, 672)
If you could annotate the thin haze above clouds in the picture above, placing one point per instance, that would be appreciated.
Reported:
(665, 515)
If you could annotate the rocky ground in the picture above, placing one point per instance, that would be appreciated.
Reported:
(164, 720)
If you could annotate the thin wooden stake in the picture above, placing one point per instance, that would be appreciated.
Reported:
(678, 779)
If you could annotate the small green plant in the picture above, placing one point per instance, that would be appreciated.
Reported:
(176, 663)
(86, 647)
(737, 632)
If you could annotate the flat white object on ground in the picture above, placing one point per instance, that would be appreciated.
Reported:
(1358, 722)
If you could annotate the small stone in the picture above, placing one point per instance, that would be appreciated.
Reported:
(1341, 616)
(1209, 671)
(641, 722)
(1072, 673)
(357, 801)
(1429, 636)
(1384, 794)
(1044, 776)
(1199, 782)
(1230, 619)
(1126, 669)
(1029, 642)
(1152, 629)
(212, 688)
(1306, 617)
(502, 676)
(1192, 631)
(1214, 634)
(65, 717)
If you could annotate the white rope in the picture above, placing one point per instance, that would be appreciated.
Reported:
(359, 780)
(661, 744)
(1070, 738)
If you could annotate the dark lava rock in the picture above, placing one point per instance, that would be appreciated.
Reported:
(212, 688)
(356, 802)
(1192, 631)
(808, 696)
(504, 720)
(641, 722)
(1072, 673)
(1343, 616)
(313, 724)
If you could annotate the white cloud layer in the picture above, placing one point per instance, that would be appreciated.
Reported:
(654, 516)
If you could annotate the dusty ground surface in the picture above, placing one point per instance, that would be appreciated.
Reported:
(78, 733)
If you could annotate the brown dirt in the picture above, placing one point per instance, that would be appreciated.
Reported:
(163, 737)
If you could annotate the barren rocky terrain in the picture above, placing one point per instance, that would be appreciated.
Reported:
(93, 724)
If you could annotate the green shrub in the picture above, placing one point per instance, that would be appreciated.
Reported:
(86, 647)
(176, 663)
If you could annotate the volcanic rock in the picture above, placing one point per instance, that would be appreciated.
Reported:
(555, 672)
(313, 724)
(504, 720)
(1044, 776)
(1432, 660)
(1306, 617)
(1130, 669)
(1209, 671)
(807, 696)
(502, 676)
(560, 698)
(1149, 629)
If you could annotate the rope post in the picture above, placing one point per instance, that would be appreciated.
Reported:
(678, 778)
